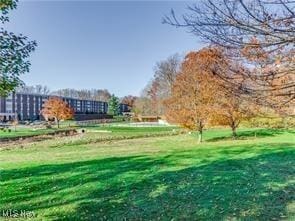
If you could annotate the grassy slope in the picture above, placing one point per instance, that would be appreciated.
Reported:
(166, 177)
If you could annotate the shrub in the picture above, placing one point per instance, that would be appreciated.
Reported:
(271, 122)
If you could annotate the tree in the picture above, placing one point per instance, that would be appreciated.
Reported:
(193, 92)
(259, 33)
(142, 106)
(159, 88)
(84, 94)
(37, 89)
(129, 100)
(93, 94)
(230, 109)
(15, 123)
(146, 103)
(201, 97)
(165, 74)
(14, 52)
(155, 99)
(58, 109)
(101, 94)
(40, 89)
(67, 92)
(113, 105)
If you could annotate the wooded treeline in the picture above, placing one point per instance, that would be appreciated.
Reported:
(83, 94)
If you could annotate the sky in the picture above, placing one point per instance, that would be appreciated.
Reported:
(110, 45)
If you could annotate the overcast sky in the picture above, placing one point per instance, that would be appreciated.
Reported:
(96, 44)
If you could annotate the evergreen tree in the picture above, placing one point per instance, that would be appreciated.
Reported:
(113, 105)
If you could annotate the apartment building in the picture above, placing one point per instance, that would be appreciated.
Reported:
(28, 106)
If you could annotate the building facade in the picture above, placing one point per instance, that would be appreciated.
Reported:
(28, 106)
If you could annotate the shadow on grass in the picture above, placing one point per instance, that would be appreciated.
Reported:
(255, 133)
(142, 187)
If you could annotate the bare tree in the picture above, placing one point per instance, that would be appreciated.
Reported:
(101, 94)
(67, 92)
(142, 106)
(258, 33)
(26, 89)
(40, 89)
(159, 87)
(84, 94)
(37, 89)
(129, 100)
(165, 74)
(93, 94)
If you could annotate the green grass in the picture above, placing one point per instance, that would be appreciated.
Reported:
(97, 132)
(23, 132)
(166, 178)
(114, 131)
(129, 129)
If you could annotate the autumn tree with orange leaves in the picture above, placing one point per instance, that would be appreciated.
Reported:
(58, 109)
(194, 92)
(200, 97)
(230, 109)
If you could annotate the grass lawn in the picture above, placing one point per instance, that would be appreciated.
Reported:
(23, 132)
(97, 131)
(166, 178)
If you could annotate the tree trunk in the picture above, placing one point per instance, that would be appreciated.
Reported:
(234, 132)
(200, 136)
(57, 123)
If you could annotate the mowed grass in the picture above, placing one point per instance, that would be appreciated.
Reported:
(131, 130)
(109, 132)
(97, 131)
(23, 132)
(166, 178)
